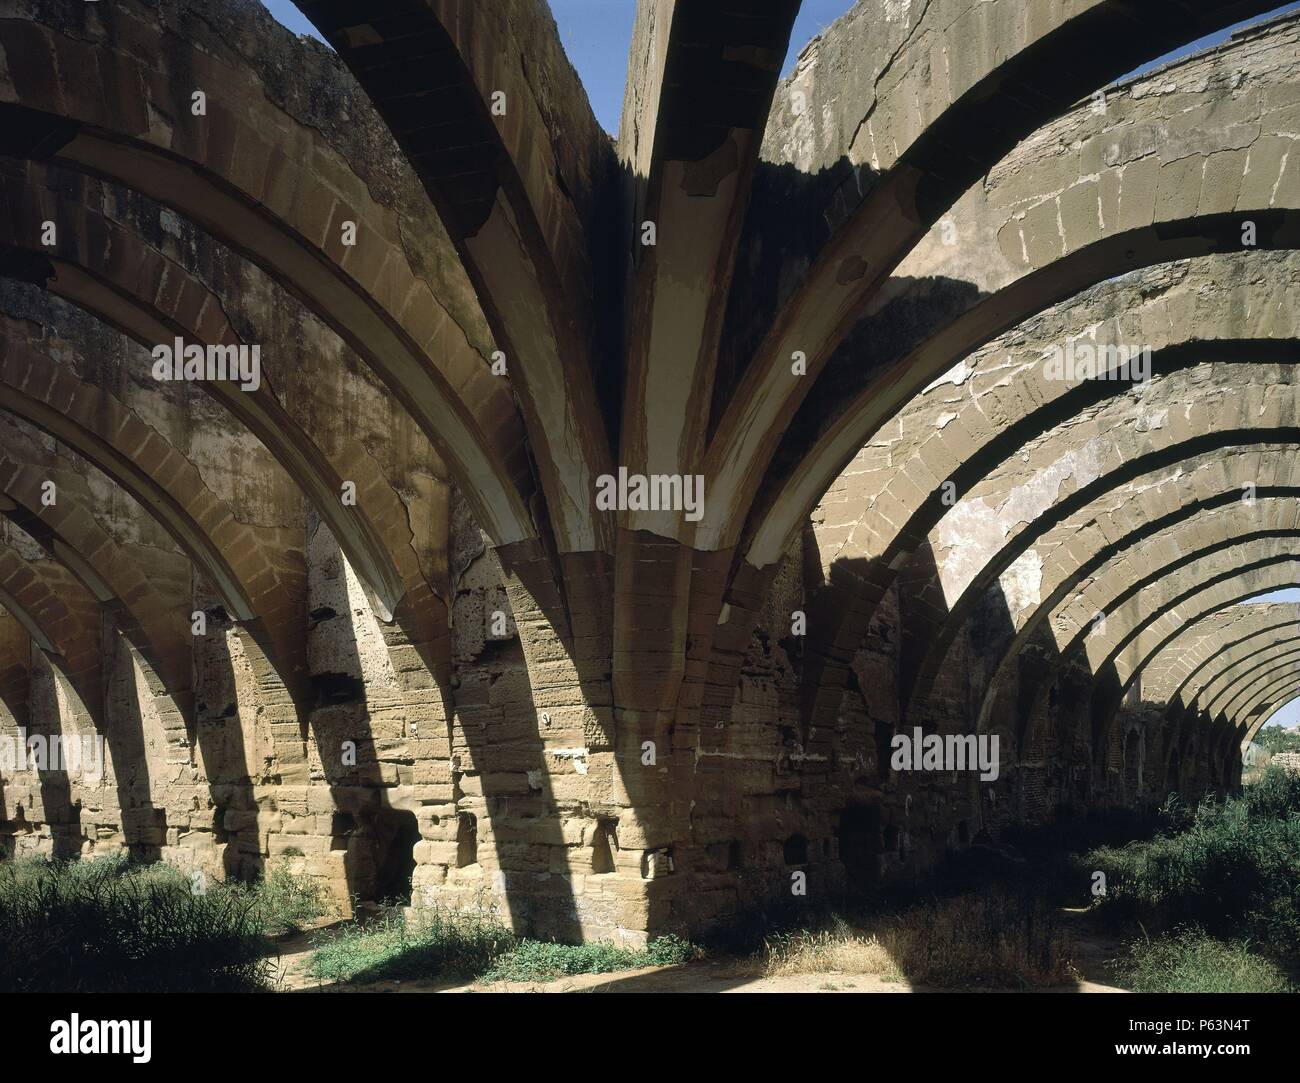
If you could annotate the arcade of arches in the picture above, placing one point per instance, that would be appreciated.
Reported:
(966, 374)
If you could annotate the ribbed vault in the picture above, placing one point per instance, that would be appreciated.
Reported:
(394, 613)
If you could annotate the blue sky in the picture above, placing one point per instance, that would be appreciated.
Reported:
(597, 34)
(1287, 715)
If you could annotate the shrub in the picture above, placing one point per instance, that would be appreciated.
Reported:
(1232, 871)
(1189, 961)
(838, 949)
(105, 926)
(284, 902)
(1276, 739)
(1276, 795)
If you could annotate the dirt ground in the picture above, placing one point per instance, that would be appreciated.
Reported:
(721, 975)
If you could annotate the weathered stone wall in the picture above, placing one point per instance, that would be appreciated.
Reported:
(1288, 761)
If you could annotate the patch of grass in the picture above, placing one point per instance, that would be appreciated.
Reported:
(1189, 961)
(107, 925)
(536, 960)
(437, 944)
(470, 944)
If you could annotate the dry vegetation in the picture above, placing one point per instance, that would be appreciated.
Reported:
(992, 939)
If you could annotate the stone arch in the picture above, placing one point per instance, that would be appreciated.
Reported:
(1230, 635)
(1161, 614)
(416, 637)
(1104, 652)
(1261, 682)
(1180, 672)
(70, 533)
(1252, 686)
(1225, 309)
(1140, 605)
(894, 167)
(515, 206)
(78, 637)
(1104, 236)
(62, 618)
(494, 785)
(113, 274)
(689, 174)
(138, 458)
(141, 703)
(1137, 551)
(943, 599)
(1259, 712)
(1164, 624)
(275, 187)
(46, 805)
(1225, 717)
(1238, 678)
(1101, 647)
